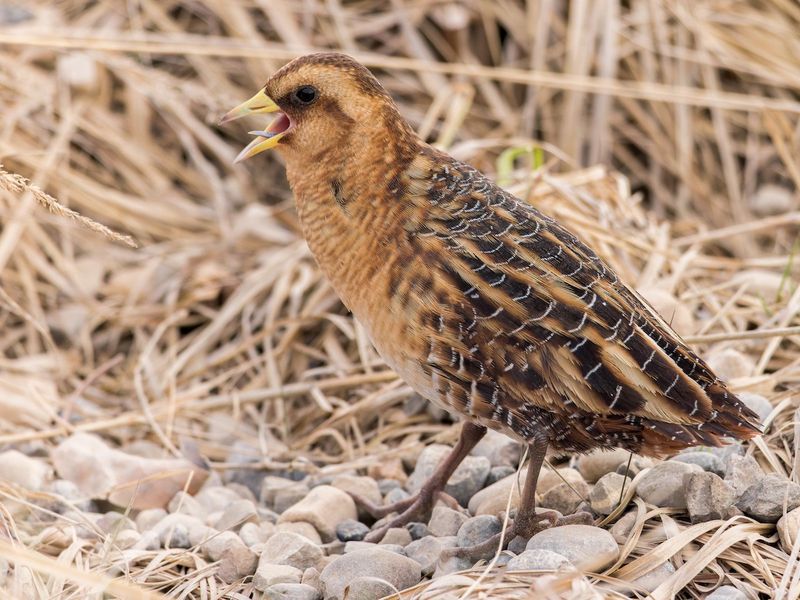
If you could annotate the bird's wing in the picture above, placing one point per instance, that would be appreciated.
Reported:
(529, 307)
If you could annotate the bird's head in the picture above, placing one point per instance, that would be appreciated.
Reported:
(318, 102)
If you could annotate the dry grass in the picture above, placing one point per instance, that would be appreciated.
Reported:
(220, 329)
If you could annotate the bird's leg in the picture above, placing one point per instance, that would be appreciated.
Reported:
(420, 505)
(528, 522)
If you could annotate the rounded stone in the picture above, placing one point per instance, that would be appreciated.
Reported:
(729, 364)
(401, 571)
(586, 547)
(500, 449)
(29, 473)
(236, 514)
(757, 403)
(418, 530)
(214, 547)
(768, 499)
(665, 484)
(478, 529)
(446, 521)
(351, 530)
(398, 536)
(237, 561)
(707, 461)
(291, 591)
(742, 472)
(467, 479)
(287, 548)
(565, 497)
(635, 465)
(498, 473)
(426, 551)
(596, 464)
(550, 478)
(492, 499)
(370, 588)
(708, 497)
(268, 575)
(788, 526)
(537, 560)
(606, 493)
(324, 507)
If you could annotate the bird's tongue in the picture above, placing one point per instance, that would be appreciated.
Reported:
(279, 124)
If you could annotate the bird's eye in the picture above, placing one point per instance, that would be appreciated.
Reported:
(305, 95)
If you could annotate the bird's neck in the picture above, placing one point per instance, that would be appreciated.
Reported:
(350, 203)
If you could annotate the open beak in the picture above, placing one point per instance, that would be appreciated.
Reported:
(269, 138)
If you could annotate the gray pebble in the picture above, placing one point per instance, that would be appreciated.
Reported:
(395, 495)
(769, 498)
(537, 560)
(477, 530)
(665, 484)
(596, 464)
(585, 546)
(370, 588)
(445, 521)
(426, 551)
(498, 473)
(741, 472)
(635, 465)
(605, 494)
(564, 497)
(707, 461)
(11, 14)
(351, 530)
(708, 497)
(468, 478)
(387, 485)
(291, 591)
(500, 449)
(757, 403)
(398, 536)
(418, 530)
(288, 548)
(237, 514)
(400, 571)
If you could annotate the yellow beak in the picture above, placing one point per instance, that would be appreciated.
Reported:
(258, 104)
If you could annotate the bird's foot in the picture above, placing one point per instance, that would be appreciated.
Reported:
(416, 508)
(524, 526)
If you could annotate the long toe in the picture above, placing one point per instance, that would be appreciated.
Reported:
(378, 511)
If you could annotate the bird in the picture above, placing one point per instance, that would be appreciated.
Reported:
(481, 303)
